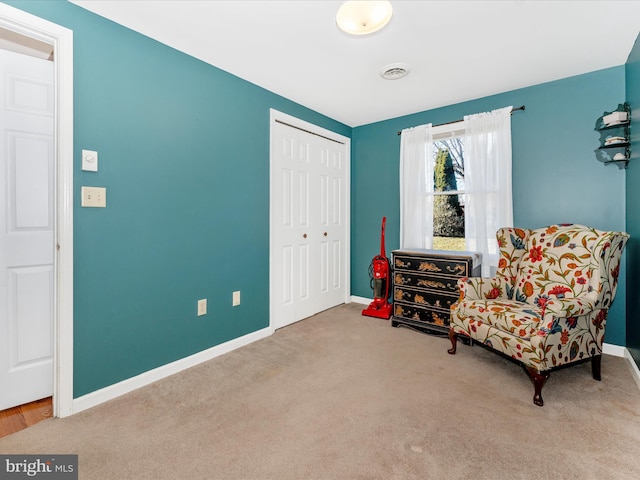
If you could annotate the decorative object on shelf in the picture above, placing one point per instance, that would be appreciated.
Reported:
(614, 136)
(425, 285)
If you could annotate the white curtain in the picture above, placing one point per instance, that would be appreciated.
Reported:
(487, 180)
(416, 187)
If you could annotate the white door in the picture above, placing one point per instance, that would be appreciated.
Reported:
(26, 228)
(309, 218)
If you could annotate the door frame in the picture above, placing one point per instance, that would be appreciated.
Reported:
(61, 39)
(294, 122)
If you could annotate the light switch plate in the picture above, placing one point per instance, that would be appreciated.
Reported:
(90, 160)
(94, 197)
(236, 298)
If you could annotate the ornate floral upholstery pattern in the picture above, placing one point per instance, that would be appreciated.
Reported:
(548, 303)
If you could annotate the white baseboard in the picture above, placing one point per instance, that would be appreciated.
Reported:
(618, 351)
(112, 391)
(362, 300)
(614, 350)
(633, 366)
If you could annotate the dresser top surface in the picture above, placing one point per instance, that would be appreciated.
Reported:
(475, 257)
(438, 253)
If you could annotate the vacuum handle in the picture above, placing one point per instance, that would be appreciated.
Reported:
(382, 249)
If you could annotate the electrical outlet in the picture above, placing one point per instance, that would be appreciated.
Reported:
(94, 197)
(202, 307)
(236, 298)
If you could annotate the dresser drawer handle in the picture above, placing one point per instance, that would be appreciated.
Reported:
(304, 235)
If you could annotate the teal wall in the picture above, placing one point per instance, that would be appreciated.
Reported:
(632, 69)
(556, 177)
(184, 155)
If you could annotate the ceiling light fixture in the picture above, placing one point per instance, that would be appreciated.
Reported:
(395, 71)
(363, 17)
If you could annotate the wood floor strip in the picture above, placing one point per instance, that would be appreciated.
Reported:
(18, 418)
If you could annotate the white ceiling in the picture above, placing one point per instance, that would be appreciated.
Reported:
(457, 50)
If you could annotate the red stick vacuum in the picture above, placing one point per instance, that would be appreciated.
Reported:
(380, 273)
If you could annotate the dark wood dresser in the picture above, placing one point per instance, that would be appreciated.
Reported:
(425, 286)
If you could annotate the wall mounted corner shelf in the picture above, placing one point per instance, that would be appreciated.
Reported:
(614, 136)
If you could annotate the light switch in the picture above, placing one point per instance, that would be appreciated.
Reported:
(89, 160)
(94, 197)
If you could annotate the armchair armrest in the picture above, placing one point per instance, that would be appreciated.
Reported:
(478, 288)
(571, 307)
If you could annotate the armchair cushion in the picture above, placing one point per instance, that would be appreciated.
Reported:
(517, 318)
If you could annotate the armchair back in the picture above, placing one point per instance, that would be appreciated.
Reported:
(559, 261)
(512, 243)
(609, 253)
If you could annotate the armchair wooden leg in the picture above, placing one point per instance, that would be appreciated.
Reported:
(453, 336)
(596, 363)
(539, 379)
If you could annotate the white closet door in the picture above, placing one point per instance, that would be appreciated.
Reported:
(309, 179)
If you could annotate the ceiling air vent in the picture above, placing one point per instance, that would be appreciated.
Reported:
(395, 71)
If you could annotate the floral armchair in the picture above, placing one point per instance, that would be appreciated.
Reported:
(547, 305)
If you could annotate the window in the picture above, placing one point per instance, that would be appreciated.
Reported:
(455, 182)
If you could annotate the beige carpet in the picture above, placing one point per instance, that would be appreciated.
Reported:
(341, 396)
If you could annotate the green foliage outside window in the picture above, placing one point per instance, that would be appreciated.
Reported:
(448, 214)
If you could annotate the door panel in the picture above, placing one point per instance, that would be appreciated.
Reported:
(333, 176)
(336, 280)
(324, 200)
(315, 240)
(31, 320)
(287, 275)
(30, 178)
(26, 229)
(324, 267)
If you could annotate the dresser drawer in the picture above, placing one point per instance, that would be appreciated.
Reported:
(431, 282)
(425, 298)
(442, 266)
(426, 316)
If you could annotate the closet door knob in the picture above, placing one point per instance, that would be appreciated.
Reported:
(304, 235)
(325, 234)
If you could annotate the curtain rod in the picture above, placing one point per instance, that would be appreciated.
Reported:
(521, 107)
